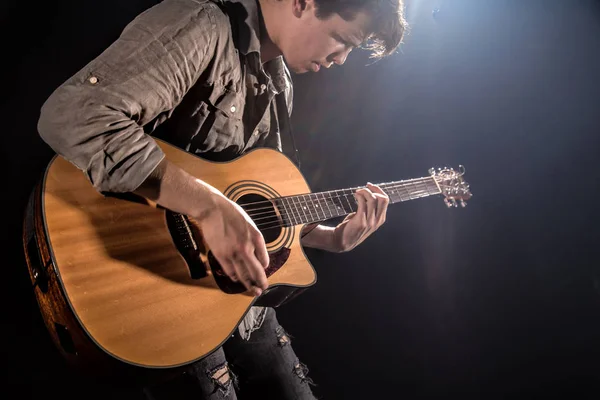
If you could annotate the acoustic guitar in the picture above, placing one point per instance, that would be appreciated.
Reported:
(124, 284)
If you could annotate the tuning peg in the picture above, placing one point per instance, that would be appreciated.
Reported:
(454, 202)
(463, 204)
(448, 204)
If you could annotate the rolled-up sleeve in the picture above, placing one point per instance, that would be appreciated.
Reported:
(95, 119)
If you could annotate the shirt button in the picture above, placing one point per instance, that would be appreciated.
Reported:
(256, 132)
(232, 108)
(93, 80)
(263, 87)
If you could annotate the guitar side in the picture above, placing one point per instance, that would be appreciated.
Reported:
(119, 290)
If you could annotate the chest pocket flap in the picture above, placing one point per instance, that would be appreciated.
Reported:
(222, 128)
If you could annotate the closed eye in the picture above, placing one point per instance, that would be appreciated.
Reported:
(345, 42)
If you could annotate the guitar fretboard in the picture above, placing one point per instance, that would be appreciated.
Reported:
(317, 207)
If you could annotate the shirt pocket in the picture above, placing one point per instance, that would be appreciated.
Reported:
(222, 127)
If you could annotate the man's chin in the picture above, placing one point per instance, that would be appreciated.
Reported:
(299, 70)
(297, 66)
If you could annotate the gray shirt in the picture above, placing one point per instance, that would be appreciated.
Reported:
(187, 71)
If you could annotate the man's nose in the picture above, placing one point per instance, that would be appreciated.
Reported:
(340, 58)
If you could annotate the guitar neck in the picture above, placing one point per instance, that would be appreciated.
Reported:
(317, 207)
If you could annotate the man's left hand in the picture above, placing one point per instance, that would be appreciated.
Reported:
(369, 216)
(355, 228)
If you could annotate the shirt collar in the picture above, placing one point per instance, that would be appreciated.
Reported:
(279, 74)
(246, 18)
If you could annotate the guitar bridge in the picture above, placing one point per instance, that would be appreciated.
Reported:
(185, 242)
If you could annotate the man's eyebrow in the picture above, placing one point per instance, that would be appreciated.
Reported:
(357, 43)
(347, 42)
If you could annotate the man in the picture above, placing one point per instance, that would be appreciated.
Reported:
(210, 76)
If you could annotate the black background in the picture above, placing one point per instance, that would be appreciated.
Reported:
(499, 299)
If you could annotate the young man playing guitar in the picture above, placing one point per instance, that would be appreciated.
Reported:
(210, 77)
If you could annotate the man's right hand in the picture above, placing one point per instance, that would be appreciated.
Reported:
(229, 232)
(236, 243)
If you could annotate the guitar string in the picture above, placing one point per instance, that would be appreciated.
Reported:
(269, 203)
(298, 216)
(278, 223)
(301, 212)
(395, 185)
(304, 202)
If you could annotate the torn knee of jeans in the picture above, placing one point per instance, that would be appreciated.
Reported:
(222, 378)
(301, 371)
(283, 338)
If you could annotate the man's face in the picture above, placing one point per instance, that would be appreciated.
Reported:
(309, 43)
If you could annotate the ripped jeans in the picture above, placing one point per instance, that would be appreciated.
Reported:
(263, 367)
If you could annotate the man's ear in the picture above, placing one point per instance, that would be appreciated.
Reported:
(300, 6)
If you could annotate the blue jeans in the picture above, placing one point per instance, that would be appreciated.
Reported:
(263, 367)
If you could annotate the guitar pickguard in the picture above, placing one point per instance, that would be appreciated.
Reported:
(277, 259)
(190, 247)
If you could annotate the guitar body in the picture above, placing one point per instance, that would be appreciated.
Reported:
(126, 287)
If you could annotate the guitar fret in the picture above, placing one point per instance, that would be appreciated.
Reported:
(320, 205)
(391, 192)
(315, 201)
(298, 208)
(283, 211)
(405, 187)
(423, 191)
(296, 211)
(387, 191)
(396, 192)
(334, 204)
(291, 213)
(419, 191)
(341, 205)
(303, 206)
(413, 192)
(432, 184)
(316, 204)
(326, 204)
(314, 210)
(427, 189)
(350, 209)
(311, 207)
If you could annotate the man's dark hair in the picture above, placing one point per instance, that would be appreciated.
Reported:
(388, 23)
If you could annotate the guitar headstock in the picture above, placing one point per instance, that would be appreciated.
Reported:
(452, 185)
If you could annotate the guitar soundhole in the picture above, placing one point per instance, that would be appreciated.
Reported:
(264, 215)
(267, 220)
